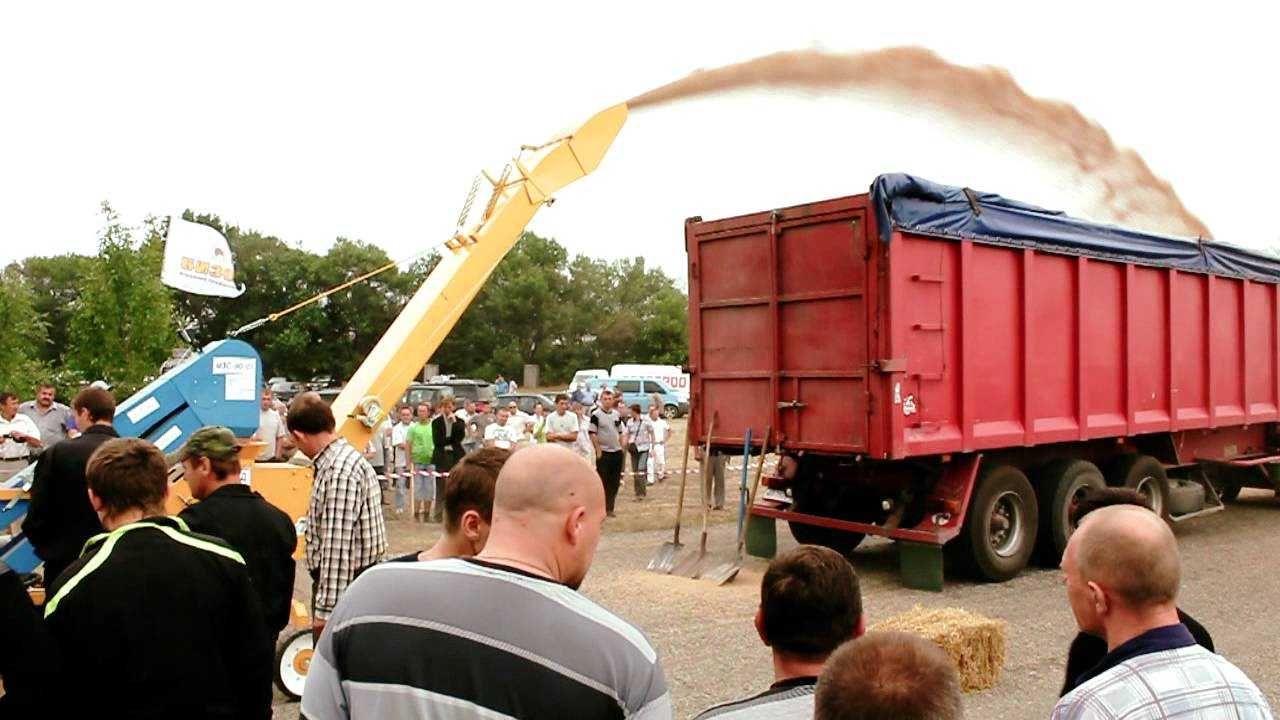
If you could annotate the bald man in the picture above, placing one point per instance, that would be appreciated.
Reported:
(503, 634)
(1122, 572)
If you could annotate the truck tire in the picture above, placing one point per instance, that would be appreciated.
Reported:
(1058, 485)
(999, 532)
(1144, 474)
(838, 540)
(670, 412)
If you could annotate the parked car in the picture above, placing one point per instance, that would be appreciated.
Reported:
(460, 389)
(527, 401)
(637, 392)
(329, 394)
(321, 382)
(286, 389)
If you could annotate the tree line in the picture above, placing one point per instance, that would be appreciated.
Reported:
(74, 318)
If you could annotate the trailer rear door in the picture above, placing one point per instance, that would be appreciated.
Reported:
(778, 325)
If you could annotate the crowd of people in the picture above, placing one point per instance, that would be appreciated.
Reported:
(413, 450)
(158, 616)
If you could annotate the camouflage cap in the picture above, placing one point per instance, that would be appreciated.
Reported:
(214, 442)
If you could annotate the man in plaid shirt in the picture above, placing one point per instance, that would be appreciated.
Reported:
(345, 527)
(1122, 575)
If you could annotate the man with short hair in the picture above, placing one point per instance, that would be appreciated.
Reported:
(889, 676)
(477, 423)
(271, 429)
(401, 457)
(468, 506)
(562, 425)
(810, 603)
(500, 434)
(1087, 650)
(608, 437)
(1122, 574)
(345, 528)
(155, 621)
(19, 436)
(56, 421)
(60, 518)
(501, 386)
(262, 533)
(523, 643)
(447, 433)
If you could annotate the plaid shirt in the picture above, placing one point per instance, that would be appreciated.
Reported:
(1186, 682)
(345, 528)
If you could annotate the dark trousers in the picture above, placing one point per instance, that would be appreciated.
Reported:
(609, 467)
(637, 469)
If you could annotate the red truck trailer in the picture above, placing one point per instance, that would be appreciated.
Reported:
(946, 367)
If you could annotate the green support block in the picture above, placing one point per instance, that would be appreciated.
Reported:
(921, 565)
(762, 536)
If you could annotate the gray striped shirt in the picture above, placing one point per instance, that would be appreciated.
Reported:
(786, 700)
(468, 639)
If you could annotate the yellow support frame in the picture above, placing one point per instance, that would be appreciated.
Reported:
(469, 259)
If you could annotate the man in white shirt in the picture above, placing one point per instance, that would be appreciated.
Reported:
(661, 430)
(19, 436)
(401, 457)
(519, 423)
(271, 429)
(500, 434)
(562, 425)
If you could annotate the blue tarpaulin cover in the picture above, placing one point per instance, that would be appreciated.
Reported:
(904, 202)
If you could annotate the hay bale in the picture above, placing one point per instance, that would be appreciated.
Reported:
(974, 642)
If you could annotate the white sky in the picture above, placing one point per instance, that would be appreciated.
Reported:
(369, 120)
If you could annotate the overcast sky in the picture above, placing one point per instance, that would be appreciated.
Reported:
(369, 120)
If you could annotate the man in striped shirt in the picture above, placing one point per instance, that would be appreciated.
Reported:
(810, 603)
(501, 635)
(345, 527)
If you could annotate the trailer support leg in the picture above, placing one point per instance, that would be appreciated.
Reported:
(920, 565)
(762, 536)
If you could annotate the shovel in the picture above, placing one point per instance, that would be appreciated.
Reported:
(728, 570)
(691, 567)
(665, 559)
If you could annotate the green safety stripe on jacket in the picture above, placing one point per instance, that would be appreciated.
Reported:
(113, 537)
(181, 523)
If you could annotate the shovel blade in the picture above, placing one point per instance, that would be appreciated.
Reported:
(692, 566)
(665, 559)
(724, 572)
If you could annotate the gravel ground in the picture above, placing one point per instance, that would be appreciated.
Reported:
(710, 652)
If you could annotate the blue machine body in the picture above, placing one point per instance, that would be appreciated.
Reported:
(219, 386)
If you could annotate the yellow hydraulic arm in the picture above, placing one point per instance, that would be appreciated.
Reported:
(469, 258)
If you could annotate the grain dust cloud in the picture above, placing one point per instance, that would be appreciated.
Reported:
(985, 97)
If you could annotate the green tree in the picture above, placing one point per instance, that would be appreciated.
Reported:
(55, 284)
(122, 328)
(25, 335)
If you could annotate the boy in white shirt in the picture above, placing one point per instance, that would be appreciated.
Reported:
(658, 447)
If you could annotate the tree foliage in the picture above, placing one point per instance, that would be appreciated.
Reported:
(21, 366)
(109, 317)
(121, 326)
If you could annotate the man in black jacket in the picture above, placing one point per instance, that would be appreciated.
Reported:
(160, 622)
(447, 433)
(60, 519)
(262, 533)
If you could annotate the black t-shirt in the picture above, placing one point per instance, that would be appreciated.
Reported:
(1088, 650)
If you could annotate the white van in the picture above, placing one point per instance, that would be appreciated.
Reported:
(584, 375)
(674, 377)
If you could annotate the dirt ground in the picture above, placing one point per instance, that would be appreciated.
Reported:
(710, 652)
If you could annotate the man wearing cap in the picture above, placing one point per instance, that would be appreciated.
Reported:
(262, 533)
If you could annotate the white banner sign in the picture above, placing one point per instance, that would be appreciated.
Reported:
(197, 260)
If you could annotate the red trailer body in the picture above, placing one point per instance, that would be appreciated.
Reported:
(863, 346)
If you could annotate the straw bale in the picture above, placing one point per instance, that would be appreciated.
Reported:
(974, 642)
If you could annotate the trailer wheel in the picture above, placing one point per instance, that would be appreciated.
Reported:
(293, 661)
(1000, 530)
(1146, 475)
(1060, 484)
(838, 540)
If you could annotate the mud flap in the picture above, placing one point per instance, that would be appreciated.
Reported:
(762, 536)
(920, 565)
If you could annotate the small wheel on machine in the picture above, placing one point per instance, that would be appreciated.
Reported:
(293, 661)
(999, 532)
(838, 540)
(1144, 474)
(1058, 486)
